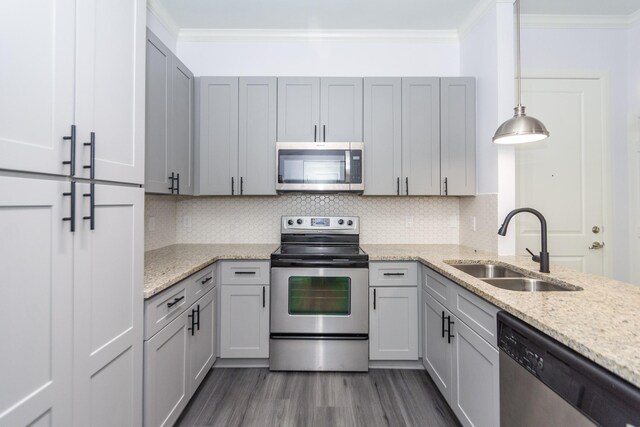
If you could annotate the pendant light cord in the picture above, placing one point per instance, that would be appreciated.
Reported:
(518, 65)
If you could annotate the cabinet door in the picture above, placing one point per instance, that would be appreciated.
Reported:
(298, 109)
(341, 109)
(244, 321)
(458, 135)
(108, 305)
(158, 110)
(393, 323)
(37, 81)
(181, 126)
(437, 352)
(110, 85)
(202, 351)
(218, 136)
(421, 136)
(475, 387)
(382, 136)
(257, 135)
(35, 313)
(166, 373)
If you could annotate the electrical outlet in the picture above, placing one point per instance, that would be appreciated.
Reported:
(186, 221)
(408, 221)
(473, 223)
(151, 223)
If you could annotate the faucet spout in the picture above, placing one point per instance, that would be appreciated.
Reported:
(544, 254)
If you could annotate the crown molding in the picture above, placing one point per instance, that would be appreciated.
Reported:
(579, 21)
(245, 35)
(165, 18)
(477, 13)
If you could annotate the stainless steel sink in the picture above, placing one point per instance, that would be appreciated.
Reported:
(525, 284)
(482, 271)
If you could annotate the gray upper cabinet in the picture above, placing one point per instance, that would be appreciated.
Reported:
(421, 136)
(298, 109)
(257, 135)
(458, 136)
(217, 136)
(382, 135)
(340, 109)
(314, 109)
(236, 136)
(169, 121)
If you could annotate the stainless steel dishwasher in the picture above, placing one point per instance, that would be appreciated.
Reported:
(544, 383)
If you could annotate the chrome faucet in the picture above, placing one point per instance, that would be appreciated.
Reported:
(543, 258)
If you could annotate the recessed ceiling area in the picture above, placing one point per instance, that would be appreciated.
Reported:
(363, 14)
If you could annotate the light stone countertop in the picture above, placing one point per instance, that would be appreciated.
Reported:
(601, 322)
(167, 266)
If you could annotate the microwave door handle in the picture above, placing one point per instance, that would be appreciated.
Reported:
(347, 166)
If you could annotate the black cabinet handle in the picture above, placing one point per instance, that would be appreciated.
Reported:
(449, 334)
(198, 315)
(443, 324)
(374, 299)
(177, 183)
(446, 186)
(324, 133)
(172, 178)
(192, 316)
(72, 160)
(315, 133)
(206, 280)
(241, 185)
(398, 186)
(394, 274)
(245, 272)
(92, 206)
(92, 156)
(72, 215)
(406, 185)
(233, 183)
(175, 301)
(263, 296)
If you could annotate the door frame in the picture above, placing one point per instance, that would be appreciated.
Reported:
(607, 182)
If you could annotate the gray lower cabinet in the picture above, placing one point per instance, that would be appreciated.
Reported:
(236, 136)
(327, 109)
(244, 321)
(179, 355)
(393, 323)
(169, 121)
(456, 353)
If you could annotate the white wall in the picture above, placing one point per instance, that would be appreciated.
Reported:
(154, 24)
(322, 58)
(563, 52)
(633, 67)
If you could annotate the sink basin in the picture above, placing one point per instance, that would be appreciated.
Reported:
(482, 271)
(525, 284)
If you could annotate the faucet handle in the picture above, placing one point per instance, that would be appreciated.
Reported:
(535, 258)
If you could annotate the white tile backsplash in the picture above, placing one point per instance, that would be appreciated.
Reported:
(249, 219)
(159, 221)
(484, 209)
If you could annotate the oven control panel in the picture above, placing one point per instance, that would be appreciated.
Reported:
(320, 224)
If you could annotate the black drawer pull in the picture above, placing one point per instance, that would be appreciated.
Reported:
(175, 301)
(206, 280)
(245, 272)
(443, 324)
(374, 299)
(263, 297)
(394, 274)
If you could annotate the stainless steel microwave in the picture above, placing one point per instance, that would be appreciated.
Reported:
(320, 166)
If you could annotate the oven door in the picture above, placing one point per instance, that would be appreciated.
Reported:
(319, 301)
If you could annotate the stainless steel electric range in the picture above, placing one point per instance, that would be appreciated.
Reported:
(319, 296)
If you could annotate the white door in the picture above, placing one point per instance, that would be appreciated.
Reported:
(562, 176)
(36, 81)
(108, 305)
(393, 323)
(35, 310)
(244, 321)
(110, 86)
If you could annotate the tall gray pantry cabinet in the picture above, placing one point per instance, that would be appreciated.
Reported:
(71, 212)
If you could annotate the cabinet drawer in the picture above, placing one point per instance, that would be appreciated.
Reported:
(245, 272)
(160, 310)
(201, 282)
(393, 274)
(477, 313)
(438, 286)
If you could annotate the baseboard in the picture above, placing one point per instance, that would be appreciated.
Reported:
(396, 364)
(241, 363)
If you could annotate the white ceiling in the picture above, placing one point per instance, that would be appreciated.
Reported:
(363, 14)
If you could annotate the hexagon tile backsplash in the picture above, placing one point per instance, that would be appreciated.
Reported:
(249, 219)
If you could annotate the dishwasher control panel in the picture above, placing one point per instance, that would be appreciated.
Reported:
(516, 346)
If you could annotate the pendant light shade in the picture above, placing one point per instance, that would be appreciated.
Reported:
(520, 128)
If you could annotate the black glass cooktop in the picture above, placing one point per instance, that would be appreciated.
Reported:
(302, 255)
(320, 250)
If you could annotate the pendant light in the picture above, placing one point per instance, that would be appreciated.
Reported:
(520, 128)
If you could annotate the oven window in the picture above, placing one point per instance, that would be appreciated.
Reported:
(313, 295)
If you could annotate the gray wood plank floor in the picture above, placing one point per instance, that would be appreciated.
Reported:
(257, 397)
